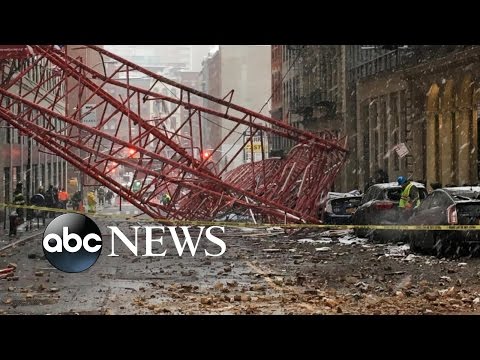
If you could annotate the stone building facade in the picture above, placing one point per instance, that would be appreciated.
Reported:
(380, 96)
(431, 105)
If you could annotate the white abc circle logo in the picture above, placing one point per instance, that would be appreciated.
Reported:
(66, 242)
(72, 242)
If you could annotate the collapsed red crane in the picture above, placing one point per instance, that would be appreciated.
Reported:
(168, 156)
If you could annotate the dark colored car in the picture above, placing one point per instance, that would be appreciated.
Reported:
(447, 206)
(340, 207)
(380, 207)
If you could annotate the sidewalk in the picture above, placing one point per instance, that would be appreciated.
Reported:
(22, 230)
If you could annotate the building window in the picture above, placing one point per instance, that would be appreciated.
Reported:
(437, 146)
(6, 179)
(16, 174)
(49, 174)
(43, 181)
(55, 173)
(394, 111)
(35, 178)
(453, 145)
(385, 135)
(364, 119)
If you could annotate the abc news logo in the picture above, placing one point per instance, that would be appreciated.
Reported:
(73, 242)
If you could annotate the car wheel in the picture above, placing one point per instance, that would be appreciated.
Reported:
(422, 242)
(375, 236)
(359, 232)
(443, 247)
(473, 250)
(414, 243)
(438, 246)
(370, 236)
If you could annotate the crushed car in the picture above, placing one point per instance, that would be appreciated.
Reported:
(340, 207)
(380, 207)
(447, 206)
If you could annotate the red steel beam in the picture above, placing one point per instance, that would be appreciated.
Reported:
(289, 188)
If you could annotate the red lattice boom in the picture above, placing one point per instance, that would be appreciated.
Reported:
(171, 152)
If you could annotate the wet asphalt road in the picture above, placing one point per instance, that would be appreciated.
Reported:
(126, 284)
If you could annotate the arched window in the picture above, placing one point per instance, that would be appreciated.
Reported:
(432, 135)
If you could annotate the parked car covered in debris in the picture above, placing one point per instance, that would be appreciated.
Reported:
(235, 217)
(380, 207)
(447, 206)
(340, 207)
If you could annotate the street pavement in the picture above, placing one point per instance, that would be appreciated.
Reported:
(261, 272)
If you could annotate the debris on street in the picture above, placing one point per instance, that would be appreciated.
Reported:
(279, 274)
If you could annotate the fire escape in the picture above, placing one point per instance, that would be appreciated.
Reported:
(316, 104)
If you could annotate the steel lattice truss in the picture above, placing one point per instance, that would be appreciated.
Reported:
(167, 155)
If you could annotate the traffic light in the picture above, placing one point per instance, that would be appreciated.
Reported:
(137, 184)
(133, 153)
(206, 155)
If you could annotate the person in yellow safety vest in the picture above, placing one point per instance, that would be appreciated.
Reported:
(410, 197)
(91, 202)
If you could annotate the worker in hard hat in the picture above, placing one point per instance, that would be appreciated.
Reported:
(410, 197)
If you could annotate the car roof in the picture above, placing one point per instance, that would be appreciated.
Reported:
(462, 188)
(338, 195)
(392, 185)
(463, 193)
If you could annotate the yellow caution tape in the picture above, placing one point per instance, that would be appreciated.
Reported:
(39, 208)
(137, 218)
